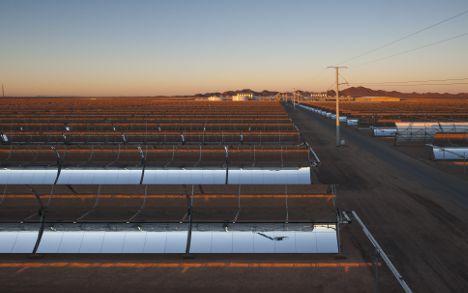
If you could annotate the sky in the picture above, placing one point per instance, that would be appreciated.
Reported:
(178, 47)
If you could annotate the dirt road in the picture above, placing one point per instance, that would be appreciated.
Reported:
(418, 213)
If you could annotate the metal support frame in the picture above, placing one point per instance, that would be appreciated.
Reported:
(142, 163)
(338, 218)
(286, 220)
(189, 213)
(226, 160)
(90, 157)
(380, 252)
(281, 153)
(42, 215)
(4, 138)
(200, 157)
(182, 138)
(10, 153)
(254, 156)
(51, 193)
(338, 232)
(96, 203)
(35, 157)
(316, 162)
(173, 156)
(117, 158)
(238, 205)
(142, 207)
(59, 164)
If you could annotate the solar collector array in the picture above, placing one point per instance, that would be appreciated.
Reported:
(152, 126)
(155, 156)
(158, 137)
(149, 203)
(136, 162)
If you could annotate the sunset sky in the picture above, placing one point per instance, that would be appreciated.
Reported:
(167, 47)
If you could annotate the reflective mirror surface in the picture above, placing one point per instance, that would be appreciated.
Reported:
(156, 176)
(172, 238)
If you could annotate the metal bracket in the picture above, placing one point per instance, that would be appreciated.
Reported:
(59, 164)
(96, 203)
(238, 204)
(316, 162)
(142, 207)
(189, 213)
(42, 214)
(142, 164)
(226, 161)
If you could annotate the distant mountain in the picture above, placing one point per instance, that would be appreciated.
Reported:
(363, 91)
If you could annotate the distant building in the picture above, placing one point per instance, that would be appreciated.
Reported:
(377, 99)
(318, 95)
(241, 97)
(215, 99)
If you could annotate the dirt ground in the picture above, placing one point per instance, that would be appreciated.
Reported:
(423, 153)
(417, 212)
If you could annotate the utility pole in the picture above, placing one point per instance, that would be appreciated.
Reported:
(294, 99)
(337, 70)
(3, 91)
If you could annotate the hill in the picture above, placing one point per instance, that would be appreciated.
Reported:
(363, 91)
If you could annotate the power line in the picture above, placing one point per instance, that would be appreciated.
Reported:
(413, 49)
(408, 36)
(419, 84)
(411, 81)
(346, 81)
(318, 75)
(330, 87)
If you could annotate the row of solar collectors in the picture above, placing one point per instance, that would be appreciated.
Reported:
(151, 120)
(155, 156)
(150, 203)
(386, 114)
(123, 102)
(241, 112)
(171, 115)
(163, 138)
(151, 127)
(157, 106)
(403, 108)
(77, 104)
(171, 238)
(156, 176)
